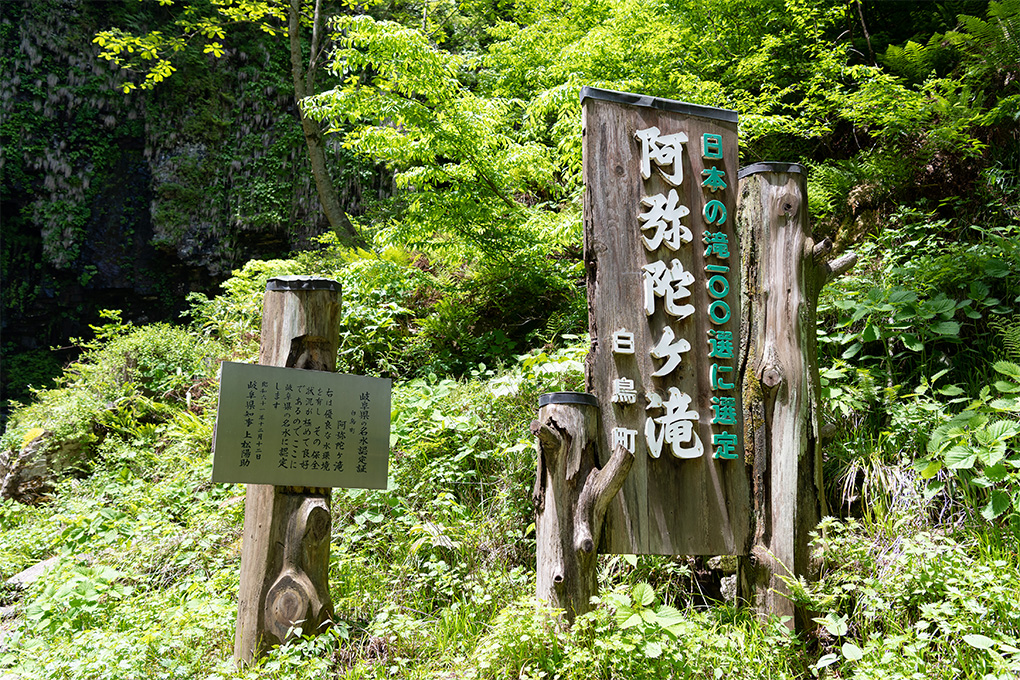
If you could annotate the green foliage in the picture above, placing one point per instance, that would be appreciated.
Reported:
(74, 598)
(475, 258)
(28, 371)
(163, 361)
(974, 450)
(197, 24)
(456, 150)
(916, 604)
(925, 289)
(235, 316)
(68, 415)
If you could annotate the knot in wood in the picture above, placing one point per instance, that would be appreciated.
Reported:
(317, 524)
(772, 376)
(789, 204)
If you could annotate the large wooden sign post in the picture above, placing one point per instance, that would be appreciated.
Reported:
(663, 266)
(290, 435)
(702, 361)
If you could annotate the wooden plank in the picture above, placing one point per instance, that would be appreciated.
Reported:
(668, 505)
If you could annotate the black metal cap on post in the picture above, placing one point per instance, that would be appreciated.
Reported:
(770, 166)
(671, 105)
(297, 282)
(568, 398)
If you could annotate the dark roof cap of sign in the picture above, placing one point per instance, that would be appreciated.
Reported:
(293, 282)
(658, 103)
(770, 167)
(567, 398)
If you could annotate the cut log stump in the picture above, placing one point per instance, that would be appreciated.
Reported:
(571, 496)
(783, 270)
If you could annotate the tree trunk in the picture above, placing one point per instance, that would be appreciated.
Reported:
(303, 81)
(571, 496)
(783, 270)
(285, 545)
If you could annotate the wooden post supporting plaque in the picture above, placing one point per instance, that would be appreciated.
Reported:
(783, 270)
(285, 545)
(571, 496)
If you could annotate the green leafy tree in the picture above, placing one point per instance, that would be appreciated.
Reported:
(469, 178)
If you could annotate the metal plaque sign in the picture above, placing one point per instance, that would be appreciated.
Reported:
(292, 427)
(663, 268)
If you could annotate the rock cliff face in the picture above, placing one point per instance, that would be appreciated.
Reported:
(130, 201)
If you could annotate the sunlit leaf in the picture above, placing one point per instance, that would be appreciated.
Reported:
(852, 652)
(998, 503)
(979, 641)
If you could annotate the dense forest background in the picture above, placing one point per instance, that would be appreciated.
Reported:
(158, 165)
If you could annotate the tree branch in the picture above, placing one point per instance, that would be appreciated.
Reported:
(841, 265)
(599, 489)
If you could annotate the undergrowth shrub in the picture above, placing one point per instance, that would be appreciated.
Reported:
(67, 416)
(914, 604)
(158, 360)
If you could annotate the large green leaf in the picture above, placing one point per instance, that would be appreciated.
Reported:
(960, 458)
(946, 328)
(643, 594)
(1007, 368)
(979, 641)
(898, 296)
(852, 652)
(669, 616)
(998, 503)
(1004, 429)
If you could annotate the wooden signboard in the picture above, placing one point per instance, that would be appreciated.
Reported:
(292, 427)
(663, 269)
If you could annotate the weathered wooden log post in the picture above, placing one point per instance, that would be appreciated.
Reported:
(571, 497)
(285, 545)
(783, 271)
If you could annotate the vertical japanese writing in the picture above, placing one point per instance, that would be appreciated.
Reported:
(661, 218)
(260, 437)
(363, 441)
(288, 425)
(249, 422)
(720, 341)
(305, 427)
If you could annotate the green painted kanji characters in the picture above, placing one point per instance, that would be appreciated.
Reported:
(724, 410)
(717, 379)
(714, 212)
(711, 146)
(725, 443)
(720, 344)
(713, 179)
(718, 244)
